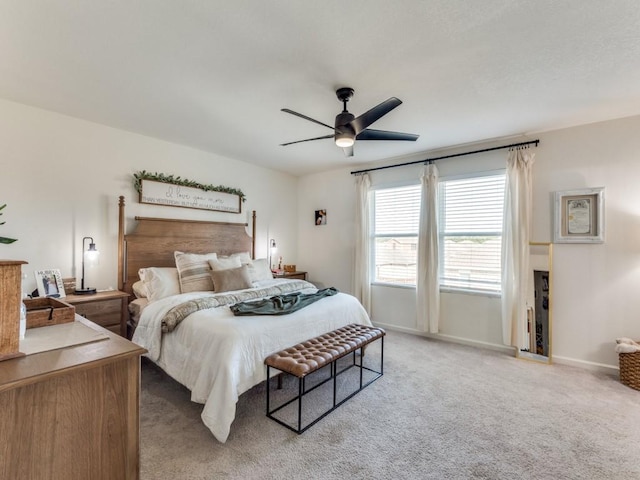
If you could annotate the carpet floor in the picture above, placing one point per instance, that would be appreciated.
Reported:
(441, 411)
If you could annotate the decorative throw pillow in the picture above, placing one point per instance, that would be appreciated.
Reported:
(259, 270)
(231, 279)
(194, 271)
(160, 282)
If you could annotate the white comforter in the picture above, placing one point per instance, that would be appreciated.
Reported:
(219, 356)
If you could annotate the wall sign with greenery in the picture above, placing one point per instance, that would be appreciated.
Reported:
(161, 189)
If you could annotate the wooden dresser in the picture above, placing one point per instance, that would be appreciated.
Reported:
(72, 413)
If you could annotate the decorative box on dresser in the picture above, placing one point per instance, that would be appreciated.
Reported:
(107, 309)
(73, 412)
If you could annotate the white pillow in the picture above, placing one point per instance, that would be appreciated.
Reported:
(259, 270)
(139, 289)
(225, 263)
(160, 282)
(194, 271)
(245, 257)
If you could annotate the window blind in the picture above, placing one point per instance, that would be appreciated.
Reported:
(471, 211)
(395, 234)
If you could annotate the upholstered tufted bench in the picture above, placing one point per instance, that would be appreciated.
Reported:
(307, 357)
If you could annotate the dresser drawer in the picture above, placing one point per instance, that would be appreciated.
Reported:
(297, 275)
(106, 313)
(108, 309)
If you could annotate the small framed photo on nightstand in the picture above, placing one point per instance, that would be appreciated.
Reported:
(49, 283)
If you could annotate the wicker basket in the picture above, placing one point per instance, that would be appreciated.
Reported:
(630, 369)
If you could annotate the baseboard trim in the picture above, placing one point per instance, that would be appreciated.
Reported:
(449, 338)
(612, 370)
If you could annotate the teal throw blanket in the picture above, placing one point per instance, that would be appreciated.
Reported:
(281, 304)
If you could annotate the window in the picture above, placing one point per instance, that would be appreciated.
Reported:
(396, 217)
(470, 223)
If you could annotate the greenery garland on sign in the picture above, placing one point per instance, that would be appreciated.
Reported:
(5, 239)
(161, 177)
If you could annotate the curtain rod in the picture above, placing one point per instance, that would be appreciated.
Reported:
(513, 145)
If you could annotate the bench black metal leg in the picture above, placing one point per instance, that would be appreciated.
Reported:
(335, 376)
(360, 367)
(381, 355)
(300, 395)
(268, 377)
(302, 391)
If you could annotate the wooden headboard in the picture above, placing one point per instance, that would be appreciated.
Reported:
(153, 241)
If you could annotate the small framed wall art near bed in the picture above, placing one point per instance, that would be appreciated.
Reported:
(321, 217)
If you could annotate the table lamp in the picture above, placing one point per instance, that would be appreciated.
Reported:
(90, 256)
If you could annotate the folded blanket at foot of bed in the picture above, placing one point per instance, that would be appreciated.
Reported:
(281, 304)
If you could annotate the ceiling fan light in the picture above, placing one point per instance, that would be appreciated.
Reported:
(345, 140)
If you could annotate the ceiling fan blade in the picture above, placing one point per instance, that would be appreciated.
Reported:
(307, 140)
(370, 116)
(370, 134)
(286, 110)
(348, 151)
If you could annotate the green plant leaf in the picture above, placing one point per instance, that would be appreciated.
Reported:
(5, 240)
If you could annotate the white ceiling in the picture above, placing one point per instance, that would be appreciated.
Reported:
(215, 74)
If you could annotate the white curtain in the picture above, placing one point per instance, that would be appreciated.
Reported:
(362, 280)
(516, 227)
(428, 282)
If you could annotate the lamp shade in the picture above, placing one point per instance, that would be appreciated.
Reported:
(90, 257)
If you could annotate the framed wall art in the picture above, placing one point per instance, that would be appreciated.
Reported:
(579, 216)
(321, 217)
(174, 195)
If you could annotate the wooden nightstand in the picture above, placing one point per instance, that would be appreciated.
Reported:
(107, 309)
(292, 275)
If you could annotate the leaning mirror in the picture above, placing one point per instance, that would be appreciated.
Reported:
(536, 341)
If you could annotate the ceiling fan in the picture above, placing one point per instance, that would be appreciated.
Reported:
(348, 128)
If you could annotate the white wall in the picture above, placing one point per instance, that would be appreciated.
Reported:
(61, 177)
(595, 286)
(326, 251)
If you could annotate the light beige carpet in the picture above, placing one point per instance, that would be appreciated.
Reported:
(441, 411)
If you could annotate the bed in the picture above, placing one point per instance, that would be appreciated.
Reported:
(193, 335)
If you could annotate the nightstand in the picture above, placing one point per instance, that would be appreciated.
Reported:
(291, 275)
(107, 309)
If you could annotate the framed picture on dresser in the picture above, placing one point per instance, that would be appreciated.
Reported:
(49, 283)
